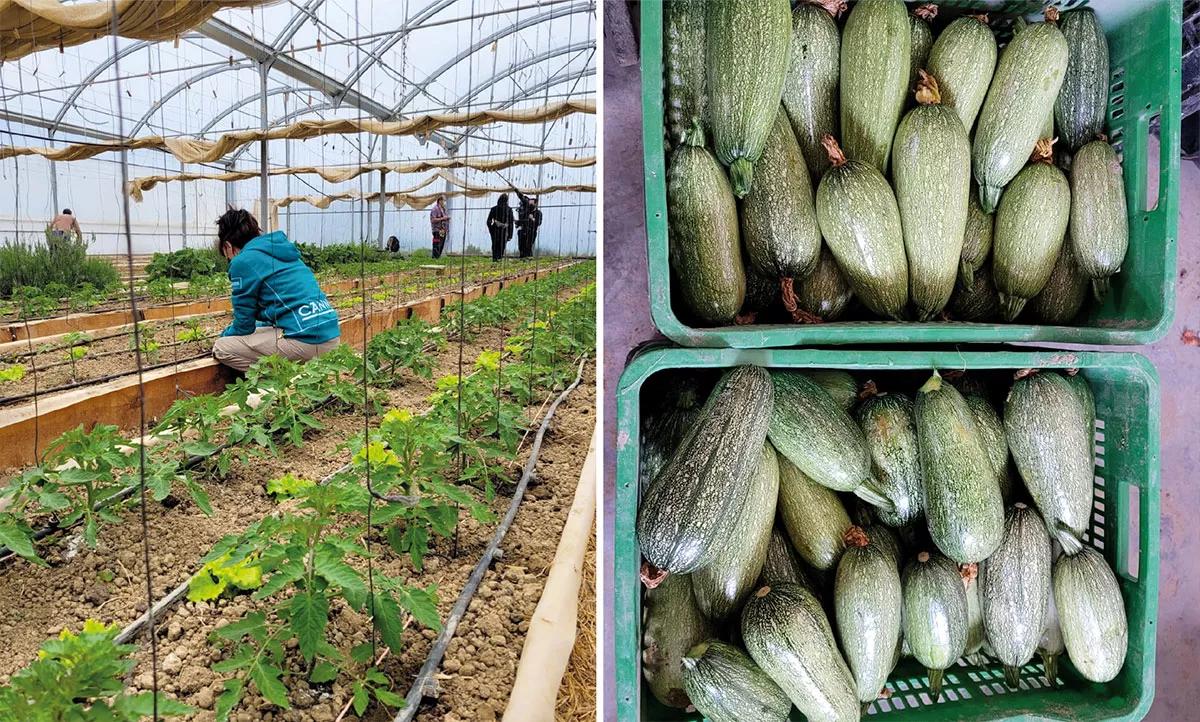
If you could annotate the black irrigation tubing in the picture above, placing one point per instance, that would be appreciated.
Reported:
(49, 529)
(177, 593)
(192, 462)
(423, 685)
(6, 400)
(117, 351)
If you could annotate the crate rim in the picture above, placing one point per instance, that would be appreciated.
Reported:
(646, 361)
(668, 323)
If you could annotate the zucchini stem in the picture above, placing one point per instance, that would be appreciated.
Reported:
(1050, 661)
(741, 173)
(1012, 676)
(869, 494)
(935, 682)
(989, 198)
(1099, 288)
(1011, 306)
(933, 384)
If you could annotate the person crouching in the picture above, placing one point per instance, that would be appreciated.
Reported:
(278, 307)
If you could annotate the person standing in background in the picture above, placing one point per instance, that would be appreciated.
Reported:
(500, 226)
(529, 218)
(439, 222)
(393, 244)
(65, 225)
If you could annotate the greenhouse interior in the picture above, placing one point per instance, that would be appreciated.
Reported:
(297, 359)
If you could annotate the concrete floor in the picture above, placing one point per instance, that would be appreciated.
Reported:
(627, 323)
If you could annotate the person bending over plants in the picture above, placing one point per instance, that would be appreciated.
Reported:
(278, 307)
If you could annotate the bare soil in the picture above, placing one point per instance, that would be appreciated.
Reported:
(38, 602)
(481, 661)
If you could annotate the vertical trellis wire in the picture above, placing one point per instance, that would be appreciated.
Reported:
(462, 285)
(362, 282)
(137, 355)
(24, 312)
(167, 204)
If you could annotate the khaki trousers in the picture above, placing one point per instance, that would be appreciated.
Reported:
(240, 352)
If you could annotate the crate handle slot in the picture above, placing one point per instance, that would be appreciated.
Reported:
(1155, 180)
(1131, 545)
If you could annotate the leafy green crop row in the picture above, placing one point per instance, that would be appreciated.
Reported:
(308, 559)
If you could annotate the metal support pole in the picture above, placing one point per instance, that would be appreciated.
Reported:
(229, 187)
(54, 187)
(264, 179)
(382, 188)
(287, 179)
(183, 208)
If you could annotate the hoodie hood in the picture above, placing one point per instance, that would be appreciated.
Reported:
(276, 245)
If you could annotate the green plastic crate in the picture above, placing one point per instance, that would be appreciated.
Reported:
(1125, 526)
(1144, 40)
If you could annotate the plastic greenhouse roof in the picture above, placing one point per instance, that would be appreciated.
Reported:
(385, 59)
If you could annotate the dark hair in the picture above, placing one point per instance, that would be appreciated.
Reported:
(503, 201)
(67, 212)
(237, 227)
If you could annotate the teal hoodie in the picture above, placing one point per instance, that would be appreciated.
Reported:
(272, 286)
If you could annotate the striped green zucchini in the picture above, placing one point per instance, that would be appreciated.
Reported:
(1051, 646)
(814, 517)
(782, 563)
(684, 67)
(1030, 225)
(840, 386)
(671, 625)
(891, 433)
(787, 634)
(1082, 102)
(1018, 101)
(812, 431)
(1083, 391)
(748, 43)
(1065, 291)
(1091, 613)
(931, 171)
(962, 59)
(876, 54)
(860, 221)
(762, 294)
(921, 40)
(977, 240)
(991, 432)
(690, 509)
(725, 685)
(867, 600)
(1050, 437)
(1015, 585)
(810, 93)
(962, 499)
(935, 615)
(779, 223)
(705, 250)
(665, 424)
(1099, 214)
(978, 301)
(824, 293)
(722, 585)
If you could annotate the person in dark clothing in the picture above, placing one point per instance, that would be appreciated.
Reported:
(500, 226)
(393, 244)
(529, 218)
(439, 221)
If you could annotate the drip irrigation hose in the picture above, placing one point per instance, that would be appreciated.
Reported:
(422, 685)
(6, 400)
(88, 382)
